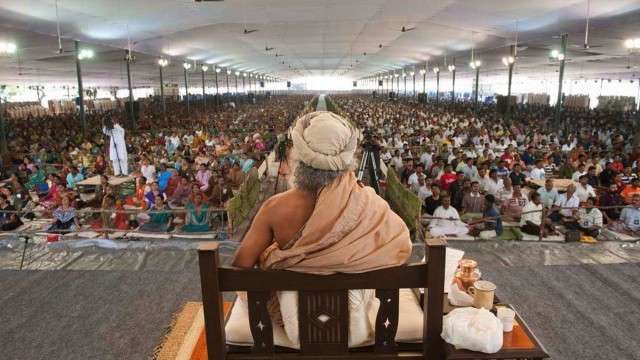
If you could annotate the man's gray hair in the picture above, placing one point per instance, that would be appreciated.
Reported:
(312, 180)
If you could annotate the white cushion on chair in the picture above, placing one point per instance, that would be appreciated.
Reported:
(409, 328)
(238, 332)
(410, 317)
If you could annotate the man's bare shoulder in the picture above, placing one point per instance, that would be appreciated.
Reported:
(283, 202)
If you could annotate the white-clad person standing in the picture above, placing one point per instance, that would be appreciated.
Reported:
(117, 147)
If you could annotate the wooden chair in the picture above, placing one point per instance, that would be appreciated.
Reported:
(325, 295)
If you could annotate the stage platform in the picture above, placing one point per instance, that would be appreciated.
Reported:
(582, 301)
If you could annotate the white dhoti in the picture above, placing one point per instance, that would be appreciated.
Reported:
(447, 222)
(453, 229)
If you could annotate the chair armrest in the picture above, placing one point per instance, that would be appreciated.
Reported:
(208, 246)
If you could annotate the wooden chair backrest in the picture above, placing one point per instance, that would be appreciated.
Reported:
(323, 305)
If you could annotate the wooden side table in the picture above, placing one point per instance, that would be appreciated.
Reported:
(517, 344)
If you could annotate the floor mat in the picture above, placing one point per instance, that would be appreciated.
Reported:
(577, 311)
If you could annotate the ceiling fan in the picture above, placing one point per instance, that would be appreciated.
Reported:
(60, 50)
(249, 31)
(407, 29)
(267, 48)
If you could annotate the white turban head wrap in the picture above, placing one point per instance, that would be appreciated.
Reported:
(324, 141)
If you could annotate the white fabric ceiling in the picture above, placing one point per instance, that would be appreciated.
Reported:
(313, 37)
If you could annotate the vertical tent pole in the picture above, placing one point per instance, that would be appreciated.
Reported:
(186, 89)
(132, 118)
(83, 119)
(512, 53)
(563, 53)
(164, 104)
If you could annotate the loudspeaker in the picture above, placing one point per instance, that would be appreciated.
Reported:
(288, 84)
(380, 83)
(355, 84)
(262, 84)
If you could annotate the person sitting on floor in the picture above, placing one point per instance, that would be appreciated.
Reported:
(447, 220)
(565, 206)
(589, 219)
(548, 194)
(629, 219)
(329, 222)
(160, 216)
(490, 225)
(631, 190)
(197, 214)
(432, 202)
(583, 189)
(531, 218)
(64, 218)
(9, 220)
(609, 200)
(73, 177)
(512, 206)
(473, 202)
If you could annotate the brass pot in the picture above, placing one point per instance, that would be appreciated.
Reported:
(466, 274)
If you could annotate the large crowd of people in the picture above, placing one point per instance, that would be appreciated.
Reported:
(474, 168)
(193, 161)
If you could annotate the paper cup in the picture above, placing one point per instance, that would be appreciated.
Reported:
(507, 317)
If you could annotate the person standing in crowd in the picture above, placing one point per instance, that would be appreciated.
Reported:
(117, 147)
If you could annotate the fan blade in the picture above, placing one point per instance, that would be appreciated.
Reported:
(249, 31)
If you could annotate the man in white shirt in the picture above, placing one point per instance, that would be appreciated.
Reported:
(589, 219)
(584, 190)
(493, 185)
(426, 158)
(447, 220)
(566, 205)
(538, 172)
(148, 171)
(423, 190)
(630, 217)
(578, 173)
(531, 218)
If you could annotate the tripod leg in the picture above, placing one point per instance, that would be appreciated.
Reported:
(24, 251)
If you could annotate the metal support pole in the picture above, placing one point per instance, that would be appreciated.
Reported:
(83, 120)
(186, 91)
(217, 90)
(243, 87)
(398, 84)
(204, 94)
(132, 118)
(164, 103)
(414, 85)
(476, 87)
(512, 54)
(563, 52)
(228, 91)
(3, 132)
(405, 84)
(453, 82)
(424, 83)
(437, 87)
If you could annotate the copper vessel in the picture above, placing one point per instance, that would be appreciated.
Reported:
(466, 274)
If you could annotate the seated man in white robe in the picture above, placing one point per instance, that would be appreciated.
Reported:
(447, 220)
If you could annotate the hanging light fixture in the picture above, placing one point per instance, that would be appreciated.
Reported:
(8, 48)
(508, 60)
(204, 68)
(186, 65)
(436, 69)
(163, 62)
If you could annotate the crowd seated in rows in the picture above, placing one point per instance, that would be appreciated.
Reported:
(452, 155)
(182, 165)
